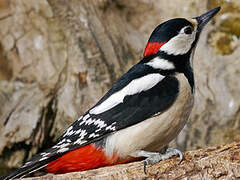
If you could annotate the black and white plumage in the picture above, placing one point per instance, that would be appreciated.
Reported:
(145, 109)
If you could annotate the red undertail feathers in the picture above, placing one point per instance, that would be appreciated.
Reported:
(84, 158)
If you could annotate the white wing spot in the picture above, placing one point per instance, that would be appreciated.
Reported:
(26, 164)
(62, 141)
(78, 131)
(43, 158)
(45, 154)
(84, 119)
(89, 121)
(93, 135)
(99, 123)
(82, 134)
(80, 118)
(98, 130)
(111, 127)
(62, 150)
(79, 141)
(64, 145)
(68, 131)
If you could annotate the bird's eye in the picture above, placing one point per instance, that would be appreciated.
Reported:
(188, 30)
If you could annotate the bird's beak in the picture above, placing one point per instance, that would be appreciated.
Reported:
(206, 17)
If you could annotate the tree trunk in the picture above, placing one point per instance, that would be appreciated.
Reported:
(221, 162)
(58, 57)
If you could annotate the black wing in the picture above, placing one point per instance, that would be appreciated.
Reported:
(133, 109)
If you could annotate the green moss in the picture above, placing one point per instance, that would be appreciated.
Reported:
(231, 25)
(222, 43)
(231, 10)
(227, 6)
(227, 26)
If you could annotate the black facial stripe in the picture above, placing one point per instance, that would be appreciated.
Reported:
(178, 60)
(188, 72)
(182, 64)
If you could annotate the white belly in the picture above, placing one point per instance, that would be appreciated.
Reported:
(156, 132)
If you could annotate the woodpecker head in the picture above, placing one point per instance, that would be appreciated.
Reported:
(178, 36)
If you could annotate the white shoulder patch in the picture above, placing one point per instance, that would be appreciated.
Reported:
(158, 63)
(135, 86)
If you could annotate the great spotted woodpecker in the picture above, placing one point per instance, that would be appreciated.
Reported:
(143, 111)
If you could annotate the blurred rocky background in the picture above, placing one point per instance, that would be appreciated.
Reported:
(58, 57)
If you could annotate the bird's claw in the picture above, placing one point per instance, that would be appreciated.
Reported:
(157, 157)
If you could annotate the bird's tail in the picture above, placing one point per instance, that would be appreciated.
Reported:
(85, 158)
(38, 161)
(23, 171)
(57, 162)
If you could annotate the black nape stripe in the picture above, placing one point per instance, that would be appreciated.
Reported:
(181, 63)
(176, 59)
(188, 72)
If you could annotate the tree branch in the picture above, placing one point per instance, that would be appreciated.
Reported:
(220, 162)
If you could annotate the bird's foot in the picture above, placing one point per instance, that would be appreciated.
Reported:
(154, 157)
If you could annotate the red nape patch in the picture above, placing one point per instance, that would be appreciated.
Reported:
(84, 158)
(152, 48)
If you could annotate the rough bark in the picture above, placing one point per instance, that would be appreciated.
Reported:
(58, 57)
(221, 162)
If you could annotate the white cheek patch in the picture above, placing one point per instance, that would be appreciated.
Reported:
(158, 63)
(179, 44)
(135, 86)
